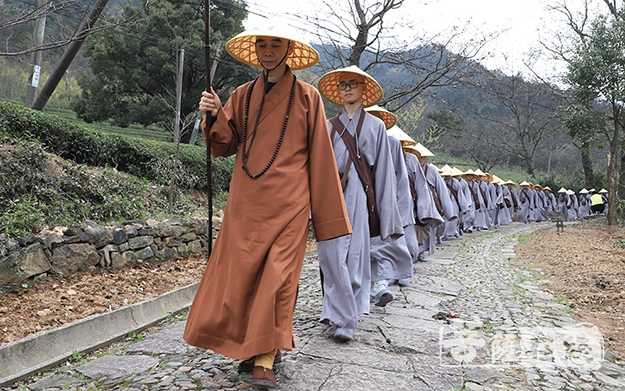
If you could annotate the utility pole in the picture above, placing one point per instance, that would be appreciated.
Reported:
(35, 59)
(172, 181)
(57, 74)
(179, 95)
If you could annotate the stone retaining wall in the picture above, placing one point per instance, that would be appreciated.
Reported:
(65, 251)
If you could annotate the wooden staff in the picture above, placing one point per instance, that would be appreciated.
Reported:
(209, 124)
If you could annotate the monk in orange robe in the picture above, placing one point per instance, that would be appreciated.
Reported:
(285, 173)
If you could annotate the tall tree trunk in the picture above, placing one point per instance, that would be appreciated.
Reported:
(613, 161)
(621, 179)
(57, 73)
(589, 174)
(360, 43)
(529, 167)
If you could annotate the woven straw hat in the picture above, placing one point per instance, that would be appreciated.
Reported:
(496, 179)
(602, 191)
(570, 192)
(243, 46)
(446, 171)
(469, 172)
(538, 186)
(479, 172)
(328, 86)
(455, 171)
(524, 183)
(547, 188)
(386, 116)
(583, 191)
(402, 136)
(592, 190)
(509, 182)
(562, 190)
(410, 149)
(423, 151)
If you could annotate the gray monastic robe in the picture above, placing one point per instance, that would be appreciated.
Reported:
(459, 203)
(438, 186)
(575, 206)
(514, 200)
(494, 211)
(346, 261)
(584, 206)
(563, 200)
(425, 212)
(469, 215)
(392, 260)
(553, 204)
(539, 205)
(489, 203)
(480, 213)
(533, 206)
(504, 213)
(525, 205)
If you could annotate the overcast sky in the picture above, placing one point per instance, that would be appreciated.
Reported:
(516, 22)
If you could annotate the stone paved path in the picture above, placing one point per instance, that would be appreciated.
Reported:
(473, 318)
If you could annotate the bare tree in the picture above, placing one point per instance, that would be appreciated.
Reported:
(475, 138)
(363, 28)
(523, 115)
(17, 18)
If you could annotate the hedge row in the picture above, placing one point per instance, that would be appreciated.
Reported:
(152, 160)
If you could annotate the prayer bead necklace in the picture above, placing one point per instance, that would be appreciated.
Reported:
(246, 152)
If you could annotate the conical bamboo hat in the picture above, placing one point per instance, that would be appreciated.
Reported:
(386, 116)
(328, 86)
(243, 46)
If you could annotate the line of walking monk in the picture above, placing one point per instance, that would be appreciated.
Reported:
(376, 205)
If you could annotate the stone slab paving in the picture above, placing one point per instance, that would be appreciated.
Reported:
(473, 318)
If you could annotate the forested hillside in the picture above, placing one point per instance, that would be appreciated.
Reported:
(125, 74)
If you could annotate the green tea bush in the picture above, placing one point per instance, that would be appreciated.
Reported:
(148, 159)
(39, 190)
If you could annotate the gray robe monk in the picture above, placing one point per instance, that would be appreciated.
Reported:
(514, 201)
(554, 204)
(494, 211)
(440, 189)
(452, 228)
(391, 261)
(584, 206)
(346, 261)
(423, 210)
(504, 213)
(469, 216)
(480, 213)
(525, 205)
(488, 203)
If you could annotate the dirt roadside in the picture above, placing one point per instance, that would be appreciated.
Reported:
(584, 268)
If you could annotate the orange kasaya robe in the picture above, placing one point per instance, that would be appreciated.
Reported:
(246, 299)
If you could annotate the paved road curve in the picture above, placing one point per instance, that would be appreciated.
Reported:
(473, 318)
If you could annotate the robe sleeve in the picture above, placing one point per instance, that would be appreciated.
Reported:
(224, 134)
(462, 200)
(328, 211)
(404, 197)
